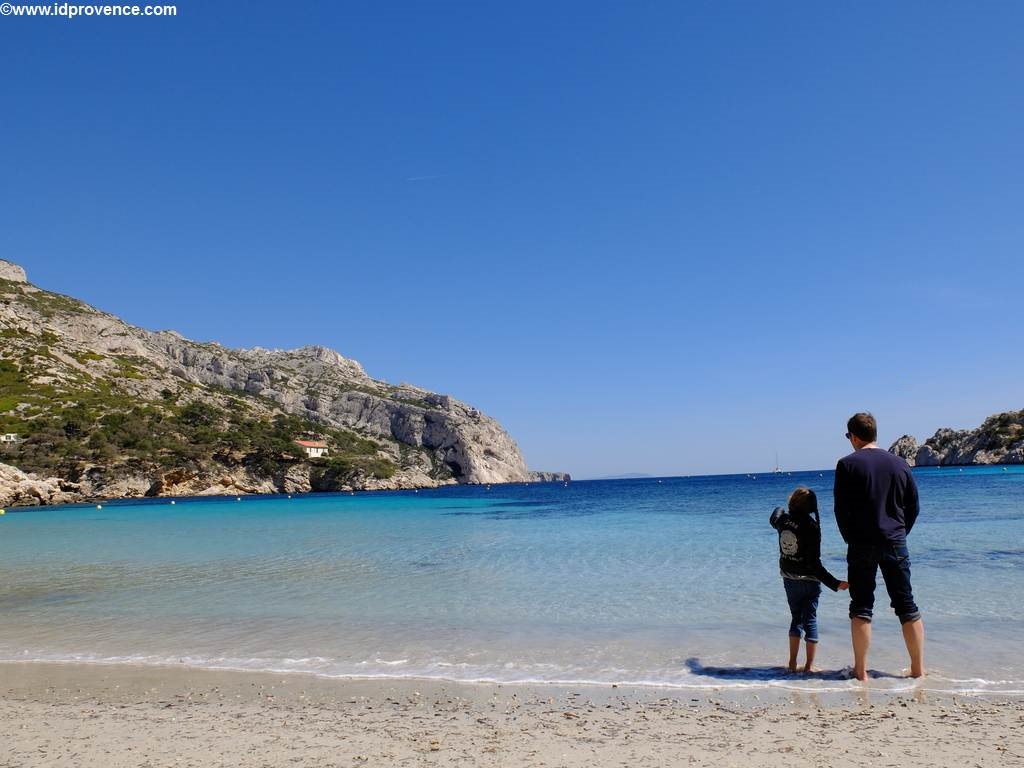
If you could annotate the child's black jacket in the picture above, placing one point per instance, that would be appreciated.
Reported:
(800, 548)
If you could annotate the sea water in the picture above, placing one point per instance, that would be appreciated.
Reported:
(670, 582)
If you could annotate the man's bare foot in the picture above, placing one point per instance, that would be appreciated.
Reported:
(915, 673)
(791, 666)
(860, 674)
(809, 670)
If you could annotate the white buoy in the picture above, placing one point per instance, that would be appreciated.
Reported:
(238, 498)
(172, 502)
(99, 506)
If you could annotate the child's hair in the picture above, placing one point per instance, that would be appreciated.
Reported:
(803, 502)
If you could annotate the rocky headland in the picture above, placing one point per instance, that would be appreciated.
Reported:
(93, 407)
(549, 477)
(999, 440)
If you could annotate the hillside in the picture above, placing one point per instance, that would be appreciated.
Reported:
(114, 410)
(999, 440)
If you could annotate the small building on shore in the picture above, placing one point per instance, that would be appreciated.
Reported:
(314, 448)
(10, 437)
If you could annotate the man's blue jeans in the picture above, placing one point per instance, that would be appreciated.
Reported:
(802, 595)
(893, 560)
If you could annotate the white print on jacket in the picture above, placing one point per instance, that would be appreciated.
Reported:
(788, 543)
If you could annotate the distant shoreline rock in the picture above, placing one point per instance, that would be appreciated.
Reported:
(999, 440)
(549, 477)
(22, 489)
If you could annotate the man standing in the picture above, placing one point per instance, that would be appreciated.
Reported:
(876, 505)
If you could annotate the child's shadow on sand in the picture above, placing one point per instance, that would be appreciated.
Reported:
(766, 674)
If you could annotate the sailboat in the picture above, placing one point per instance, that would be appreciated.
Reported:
(778, 469)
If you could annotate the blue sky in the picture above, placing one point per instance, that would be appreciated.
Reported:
(671, 238)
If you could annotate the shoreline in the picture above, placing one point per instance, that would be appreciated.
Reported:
(121, 715)
(838, 687)
(92, 501)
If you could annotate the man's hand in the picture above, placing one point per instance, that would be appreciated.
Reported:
(844, 585)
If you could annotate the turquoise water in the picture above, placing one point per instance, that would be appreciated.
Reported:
(668, 582)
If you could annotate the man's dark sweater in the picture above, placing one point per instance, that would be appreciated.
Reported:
(875, 498)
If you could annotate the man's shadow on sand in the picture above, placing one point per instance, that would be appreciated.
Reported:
(768, 674)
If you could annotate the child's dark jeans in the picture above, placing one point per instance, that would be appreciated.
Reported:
(803, 595)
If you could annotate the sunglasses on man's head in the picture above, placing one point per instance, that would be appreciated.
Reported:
(847, 435)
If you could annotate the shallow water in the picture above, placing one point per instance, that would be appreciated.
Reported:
(668, 582)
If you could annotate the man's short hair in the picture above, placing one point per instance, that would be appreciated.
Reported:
(864, 426)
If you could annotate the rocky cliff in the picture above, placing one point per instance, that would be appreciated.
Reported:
(550, 477)
(999, 440)
(20, 489)
(122, 411)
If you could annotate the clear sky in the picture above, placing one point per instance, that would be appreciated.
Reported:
(659, 237)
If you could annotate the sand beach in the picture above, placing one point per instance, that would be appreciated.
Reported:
(118, 716)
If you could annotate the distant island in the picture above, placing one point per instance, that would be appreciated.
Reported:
(999, 440)
(92, 407)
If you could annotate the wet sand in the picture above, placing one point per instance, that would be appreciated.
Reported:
(120, 716)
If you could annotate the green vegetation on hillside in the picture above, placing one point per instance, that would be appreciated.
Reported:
(167, 436)
(45, 303)
(86, 420)
(1004, 429)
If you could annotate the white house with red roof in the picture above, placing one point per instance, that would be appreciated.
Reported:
(314, 448)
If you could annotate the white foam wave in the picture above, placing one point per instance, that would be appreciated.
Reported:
(527, 674)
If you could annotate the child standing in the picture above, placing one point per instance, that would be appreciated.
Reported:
(802, 572)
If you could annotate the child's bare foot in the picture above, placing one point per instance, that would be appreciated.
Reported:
(809, 670)
(791, 667)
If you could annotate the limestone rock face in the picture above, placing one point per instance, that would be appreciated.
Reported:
(321, 385)
(20, 489)
(114, 482)
(549, 477)
(12, 272)
(294, 480)
(906, 447)
(999, 440)
(927, 457)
